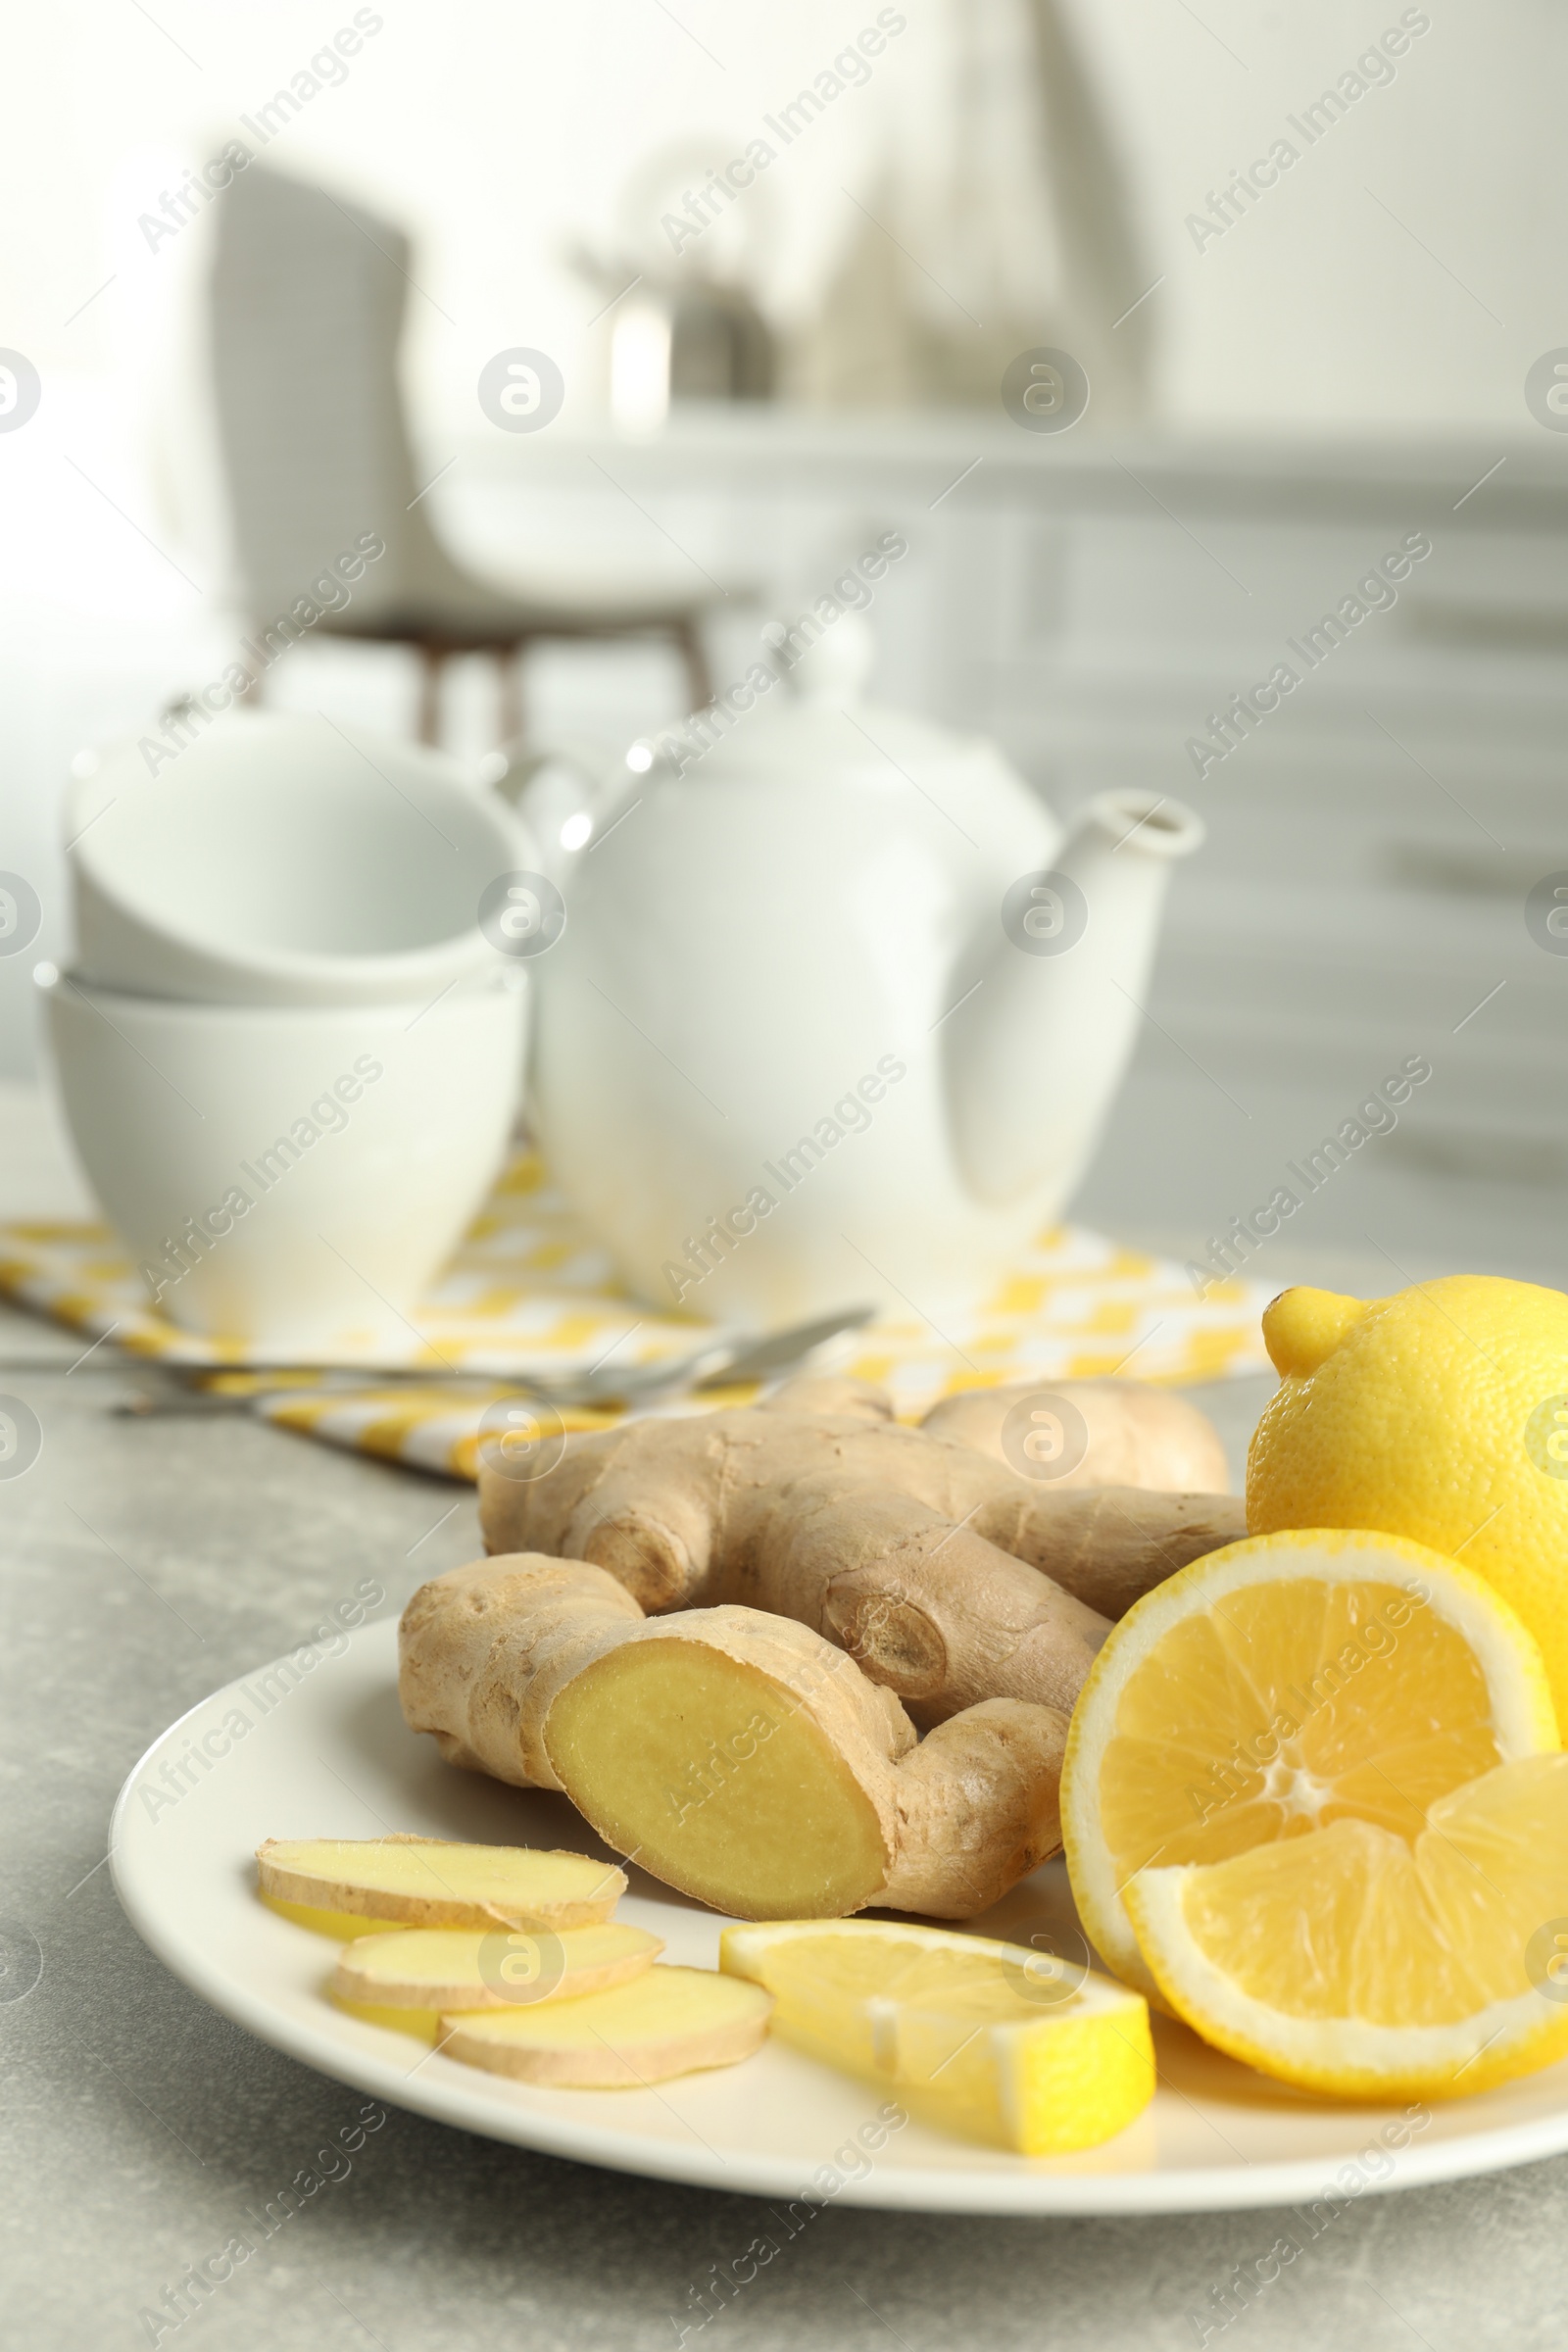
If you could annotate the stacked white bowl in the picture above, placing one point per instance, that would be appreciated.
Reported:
(288, 1051)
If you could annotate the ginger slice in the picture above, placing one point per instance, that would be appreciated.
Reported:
(489, 1968)
(719, 1778)
(437, 1883)
(671, 2021)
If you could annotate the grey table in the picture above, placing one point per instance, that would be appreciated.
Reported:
(145, 1563)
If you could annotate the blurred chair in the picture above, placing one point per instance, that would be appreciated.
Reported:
(308, 297)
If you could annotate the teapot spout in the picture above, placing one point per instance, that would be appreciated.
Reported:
(1035, 1053)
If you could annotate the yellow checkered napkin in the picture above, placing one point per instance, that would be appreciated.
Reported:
(528, 1295)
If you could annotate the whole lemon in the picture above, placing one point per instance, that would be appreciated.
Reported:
(1441, 1414)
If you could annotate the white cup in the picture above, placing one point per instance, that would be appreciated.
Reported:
(286, 861)
(289, 1178)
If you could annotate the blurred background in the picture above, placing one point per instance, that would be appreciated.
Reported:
(624, 328)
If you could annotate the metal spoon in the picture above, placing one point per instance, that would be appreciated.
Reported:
(719, 1363)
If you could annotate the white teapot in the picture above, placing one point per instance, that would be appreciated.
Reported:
(836, 1015)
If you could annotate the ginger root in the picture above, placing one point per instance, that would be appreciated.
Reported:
(719, 1637)
(734, 1755)
(949, 1576)
(1119, 1433)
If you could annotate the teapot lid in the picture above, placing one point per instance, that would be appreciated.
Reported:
(813, 718)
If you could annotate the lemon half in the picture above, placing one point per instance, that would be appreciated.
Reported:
(1276, 1687)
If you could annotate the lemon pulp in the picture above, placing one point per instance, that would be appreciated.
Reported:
(1288, 1706)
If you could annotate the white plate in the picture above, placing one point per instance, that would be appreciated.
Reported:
(330, 1758)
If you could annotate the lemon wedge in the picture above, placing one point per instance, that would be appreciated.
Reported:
(1353, 1962)
(1276, 1687)
(990, 2041)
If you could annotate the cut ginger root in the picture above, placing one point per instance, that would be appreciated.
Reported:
(736, 1755)
(355, 1886)
(994, 2041)
(407, 1978)
(722, 1637)
(949, 1576)
(671, 2021)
